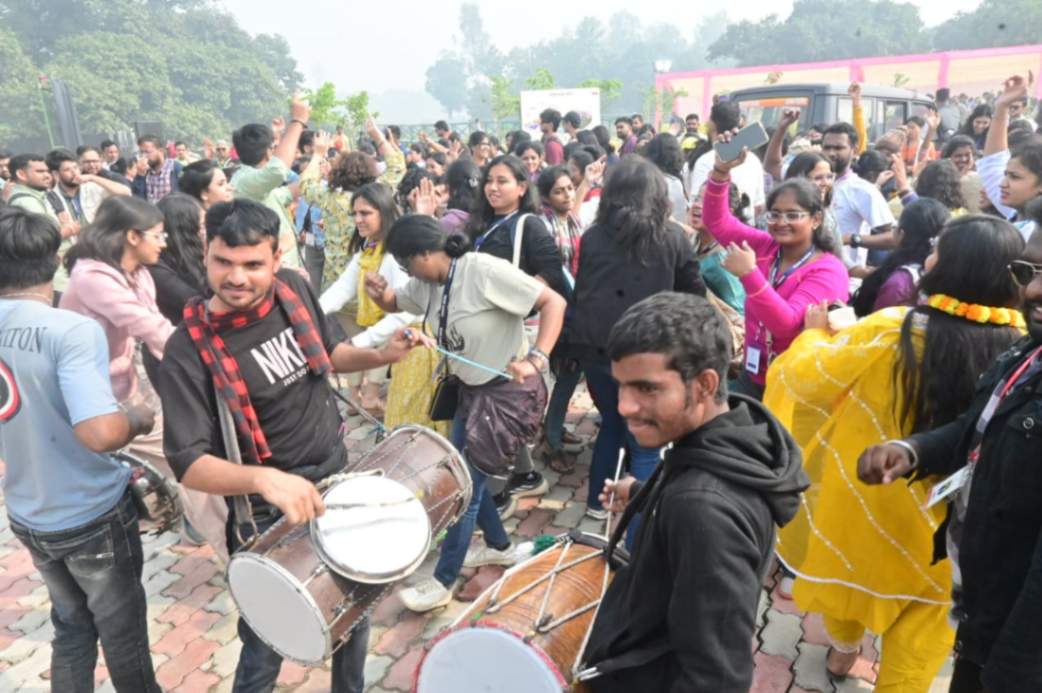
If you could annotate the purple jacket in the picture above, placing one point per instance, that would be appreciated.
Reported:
(454, 220)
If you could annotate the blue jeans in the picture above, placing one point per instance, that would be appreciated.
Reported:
(614, 434)
(557, 409)
(481, 511)
(259, 665)
(93, 577)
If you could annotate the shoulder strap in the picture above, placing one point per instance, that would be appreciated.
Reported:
(242, 511)
(519, 232)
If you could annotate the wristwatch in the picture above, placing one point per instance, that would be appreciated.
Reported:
(855, 240)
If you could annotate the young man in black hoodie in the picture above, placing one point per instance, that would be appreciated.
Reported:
(681, 616)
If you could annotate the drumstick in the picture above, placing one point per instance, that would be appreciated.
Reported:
(358, 408)
(368, 504)
(611, 498)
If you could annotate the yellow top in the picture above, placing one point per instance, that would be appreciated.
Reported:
(862, 552)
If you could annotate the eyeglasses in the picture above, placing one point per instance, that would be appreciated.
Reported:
(789, 217)
(1024, 272)
(158, 235)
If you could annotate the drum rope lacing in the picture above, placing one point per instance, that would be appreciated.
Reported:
(578, 673)
(369, 460)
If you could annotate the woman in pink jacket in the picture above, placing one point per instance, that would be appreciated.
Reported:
(109, 281)
(784, 269)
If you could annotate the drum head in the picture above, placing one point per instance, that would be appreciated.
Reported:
(278, 610)
(383, 536)
(473, 659)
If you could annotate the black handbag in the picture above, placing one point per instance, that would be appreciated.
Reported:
(445, 401)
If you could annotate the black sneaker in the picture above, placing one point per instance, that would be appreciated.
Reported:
(525, 485)
(506, 504)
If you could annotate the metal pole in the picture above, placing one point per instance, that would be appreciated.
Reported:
(43, 107)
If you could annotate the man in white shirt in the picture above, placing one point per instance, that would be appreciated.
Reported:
(862, 215)
(724, 117)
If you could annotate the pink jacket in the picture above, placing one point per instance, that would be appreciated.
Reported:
(126, 309)
(778, 311)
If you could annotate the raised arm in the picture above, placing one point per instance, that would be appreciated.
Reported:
(857, 115)
(772, 161)
(1013, 89)
(716, 211)
(286, 150)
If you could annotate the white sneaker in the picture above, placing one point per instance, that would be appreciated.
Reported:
(486, 555)
(424, 596)
(596, 514)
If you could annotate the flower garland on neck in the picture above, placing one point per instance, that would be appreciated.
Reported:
(977, 313)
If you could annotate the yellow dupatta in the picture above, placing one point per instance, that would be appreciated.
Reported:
(369, 260)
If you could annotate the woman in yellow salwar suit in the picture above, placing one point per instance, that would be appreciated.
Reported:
(862, 554)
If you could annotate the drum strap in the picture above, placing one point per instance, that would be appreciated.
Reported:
(242, 510)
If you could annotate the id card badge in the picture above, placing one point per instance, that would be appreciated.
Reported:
(752, 359)
(946, 488)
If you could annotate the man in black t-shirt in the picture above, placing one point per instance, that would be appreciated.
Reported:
(262, 345)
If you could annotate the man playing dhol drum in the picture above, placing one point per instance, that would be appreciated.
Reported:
(681, 616)
(262, 345)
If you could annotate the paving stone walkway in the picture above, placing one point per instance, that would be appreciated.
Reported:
(192, 617)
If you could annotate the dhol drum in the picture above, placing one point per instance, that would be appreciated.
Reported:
(284, 587)
(382, 517)
(528, 631)
(158, 505)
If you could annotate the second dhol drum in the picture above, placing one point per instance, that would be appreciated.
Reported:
(290, 584)
(526, 633)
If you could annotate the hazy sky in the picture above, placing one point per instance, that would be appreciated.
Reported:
(387, 46)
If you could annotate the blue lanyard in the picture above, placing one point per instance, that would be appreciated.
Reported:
(483, 237)
(777, 265)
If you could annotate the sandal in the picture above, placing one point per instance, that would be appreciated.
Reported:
(841, 675)
(560, 462)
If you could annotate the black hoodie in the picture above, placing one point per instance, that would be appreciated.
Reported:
(681, 616)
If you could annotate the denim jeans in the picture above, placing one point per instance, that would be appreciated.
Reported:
(611, 439)
(315, 263)
(259, 665)
(481, 511)
(93, 577)
(557, 409)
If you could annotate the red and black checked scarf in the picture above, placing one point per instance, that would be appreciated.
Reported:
(204, 328)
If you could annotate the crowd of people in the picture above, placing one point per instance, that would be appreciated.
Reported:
(823, 357)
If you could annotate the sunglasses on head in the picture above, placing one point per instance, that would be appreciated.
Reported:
(1024, 272)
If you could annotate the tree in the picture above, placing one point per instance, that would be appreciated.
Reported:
(825, 30)
(183, 63)
(447, 82)
(324, 105)
(993, 23)
(357, 107)
(542, 79)
(505, 101)
(611, 89)
(18, 91)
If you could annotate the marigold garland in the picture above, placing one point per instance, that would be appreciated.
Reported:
(977, 313)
